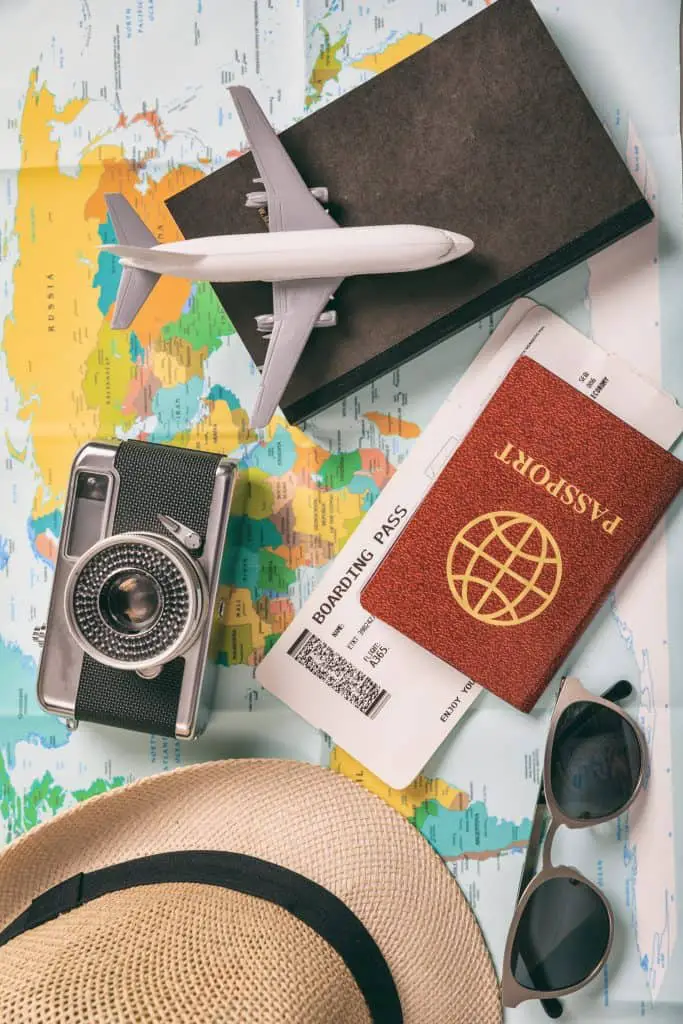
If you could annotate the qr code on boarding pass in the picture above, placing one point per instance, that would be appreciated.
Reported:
(339, 674)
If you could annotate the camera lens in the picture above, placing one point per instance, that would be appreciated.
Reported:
(131, 601)
(134, 600)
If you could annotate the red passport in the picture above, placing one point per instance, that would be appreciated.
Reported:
(524, 533)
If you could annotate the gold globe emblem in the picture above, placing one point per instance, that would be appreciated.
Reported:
(504, 568)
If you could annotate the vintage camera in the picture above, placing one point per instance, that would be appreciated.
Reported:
(132, 620)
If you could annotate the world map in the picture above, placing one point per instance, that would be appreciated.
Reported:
(134, 100)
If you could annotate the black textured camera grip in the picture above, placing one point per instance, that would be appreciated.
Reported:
(112, 696)
(154, 478)
(177, 482)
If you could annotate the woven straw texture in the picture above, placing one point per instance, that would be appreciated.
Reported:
(189, 953)
(303, 817)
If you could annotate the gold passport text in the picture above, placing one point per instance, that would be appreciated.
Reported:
(568, 493)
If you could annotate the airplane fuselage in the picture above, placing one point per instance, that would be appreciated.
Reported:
(305, 255)
(297, 255)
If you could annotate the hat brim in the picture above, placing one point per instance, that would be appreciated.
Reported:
(304, 818)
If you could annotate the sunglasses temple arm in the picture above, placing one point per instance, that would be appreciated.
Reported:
(552, 1007)
(621, 690)
(534, 844)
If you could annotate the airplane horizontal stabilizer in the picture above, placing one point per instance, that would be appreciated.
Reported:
(134, 289)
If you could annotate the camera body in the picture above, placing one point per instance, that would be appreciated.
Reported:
(130, 638)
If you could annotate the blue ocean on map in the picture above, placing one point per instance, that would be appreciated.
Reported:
(21, 715)
(275, 458)
(473, 831)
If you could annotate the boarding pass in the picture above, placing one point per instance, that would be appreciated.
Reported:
(386, 701)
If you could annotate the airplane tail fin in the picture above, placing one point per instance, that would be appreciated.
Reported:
(135, 285)
(128, 227)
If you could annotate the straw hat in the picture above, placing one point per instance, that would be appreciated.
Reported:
(236, 892)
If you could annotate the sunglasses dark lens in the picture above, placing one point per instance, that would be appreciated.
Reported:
(595, 761)
(561, 937)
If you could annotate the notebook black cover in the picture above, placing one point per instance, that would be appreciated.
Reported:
(485, 132)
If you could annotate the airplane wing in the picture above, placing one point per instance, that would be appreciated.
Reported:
(291, 207)
(296, 307)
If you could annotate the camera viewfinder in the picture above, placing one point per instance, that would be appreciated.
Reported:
(93, 486)
(88, 511)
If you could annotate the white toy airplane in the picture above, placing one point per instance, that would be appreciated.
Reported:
(302, 255)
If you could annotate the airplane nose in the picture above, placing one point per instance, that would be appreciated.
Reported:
(460, 244)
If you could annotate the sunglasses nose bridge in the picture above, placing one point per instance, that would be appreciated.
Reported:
(547, 862)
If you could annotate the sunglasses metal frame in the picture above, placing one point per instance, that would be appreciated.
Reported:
(572, 692)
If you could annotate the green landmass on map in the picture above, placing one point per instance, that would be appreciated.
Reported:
(42, 800)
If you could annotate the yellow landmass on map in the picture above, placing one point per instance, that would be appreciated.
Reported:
(55, 338)
(393, 53)
(327, 65)
(309, 455)
(271, 429)
(330, 515)
(253, 494)
(176, 361)
(244, 629)
(221, 430)
(15, 454)
(405, 801)
(108, 374)
(301, 439)
(389, 425)
(170, 294)
(55, 317)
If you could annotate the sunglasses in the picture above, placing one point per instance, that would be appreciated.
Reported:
(561, 933)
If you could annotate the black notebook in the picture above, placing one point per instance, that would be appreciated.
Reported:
(484, 132)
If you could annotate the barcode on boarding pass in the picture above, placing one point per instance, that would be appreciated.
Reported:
(339, 674)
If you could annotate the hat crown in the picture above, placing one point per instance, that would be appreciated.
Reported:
(299, 817)
(182, 952)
